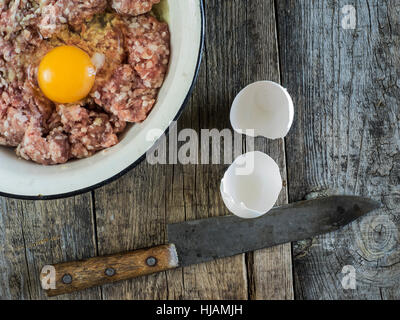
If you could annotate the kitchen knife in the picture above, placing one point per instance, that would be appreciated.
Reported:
(194, 242)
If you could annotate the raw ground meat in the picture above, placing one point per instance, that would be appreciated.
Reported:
(17, 109)
(57, 14)
(125, 96)
(13, 126)
(133, 7)
(16, 15)
(131, 91)
(147, 42)
(77, 133)
(110, 45)
(88, 131)
(133, 54)
(53, 149)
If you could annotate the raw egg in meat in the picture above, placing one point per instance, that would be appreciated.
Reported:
(66, 74)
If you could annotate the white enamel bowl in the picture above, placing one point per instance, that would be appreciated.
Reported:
(27, 180)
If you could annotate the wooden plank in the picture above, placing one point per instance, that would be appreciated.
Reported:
(33, 234)
(195, 193)
(131, 215)
(345, 138)
(14, 277)
(270, 269)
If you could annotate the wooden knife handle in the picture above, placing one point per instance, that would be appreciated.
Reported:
(74, 276)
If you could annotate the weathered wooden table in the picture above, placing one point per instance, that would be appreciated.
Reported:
(346, 88)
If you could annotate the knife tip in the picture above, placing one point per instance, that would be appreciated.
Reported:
(369, 205)
(376, 205)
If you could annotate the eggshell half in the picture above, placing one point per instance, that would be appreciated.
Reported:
(263, 108)
(251, 185)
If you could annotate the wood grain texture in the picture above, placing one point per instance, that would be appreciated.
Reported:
(270, 270)
(33, 234)
(345, 138)
(131, 215)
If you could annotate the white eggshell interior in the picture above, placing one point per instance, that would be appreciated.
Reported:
(264, 107)
(23, 178)
(253, 194)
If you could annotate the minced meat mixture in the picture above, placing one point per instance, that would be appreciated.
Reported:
(131, 48)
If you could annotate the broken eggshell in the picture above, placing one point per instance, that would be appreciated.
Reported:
(264, 109)
(251, 185)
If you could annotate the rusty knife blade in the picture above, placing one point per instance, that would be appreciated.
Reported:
(209, 239)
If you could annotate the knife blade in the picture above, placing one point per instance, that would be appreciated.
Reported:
(209, 239)
(195, 242)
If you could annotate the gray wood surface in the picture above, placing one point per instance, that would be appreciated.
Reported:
(345, 139)
(33, 234)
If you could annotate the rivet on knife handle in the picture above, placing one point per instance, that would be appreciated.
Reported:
(74, 276)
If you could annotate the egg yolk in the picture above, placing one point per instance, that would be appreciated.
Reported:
(66, 74)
